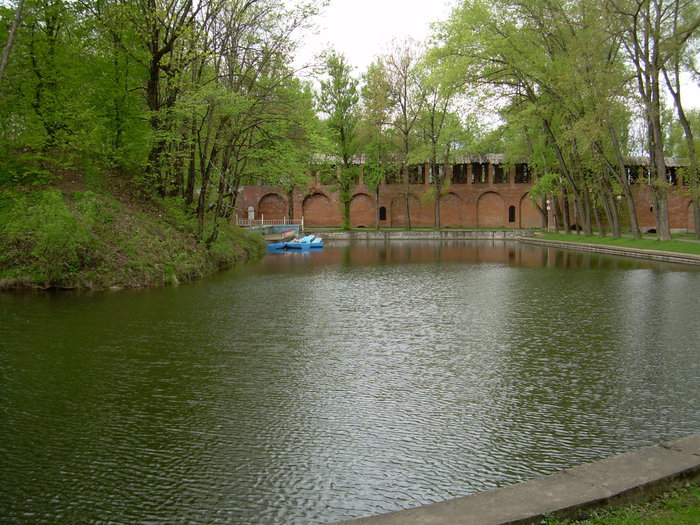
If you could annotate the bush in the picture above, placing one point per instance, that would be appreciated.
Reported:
(42, 236)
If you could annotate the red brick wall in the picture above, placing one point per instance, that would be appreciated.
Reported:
(491, 210)
(317, 211)
(530, 217)
(398, 210)
(271, 206)
(451, 210)
(466, 205)
(362, 211)
(691, 218)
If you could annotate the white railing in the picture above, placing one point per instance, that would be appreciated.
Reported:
(262, 221)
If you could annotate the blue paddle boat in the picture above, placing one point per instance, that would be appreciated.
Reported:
(308, 242)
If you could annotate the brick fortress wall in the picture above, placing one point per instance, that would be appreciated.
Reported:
(480, 195)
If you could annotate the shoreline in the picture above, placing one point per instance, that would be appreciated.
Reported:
(626, 478)
(520, 236)
(423, 235)
(654, 255)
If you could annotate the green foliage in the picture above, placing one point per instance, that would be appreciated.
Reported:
(338, 98)
(91, 240)
(234, 244)
(22, 168)
(52, 241)
(545, 185)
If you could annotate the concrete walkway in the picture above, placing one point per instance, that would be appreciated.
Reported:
(422, 235)
(618, 480)
(655, 255)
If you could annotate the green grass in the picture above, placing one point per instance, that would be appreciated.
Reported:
(92, 240)
(674, 245)
(680, 506)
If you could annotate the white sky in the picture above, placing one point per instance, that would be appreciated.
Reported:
(363, 29)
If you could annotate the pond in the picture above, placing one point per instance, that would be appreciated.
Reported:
(309, 388)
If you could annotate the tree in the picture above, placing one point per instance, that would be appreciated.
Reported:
(653, 32)
(7, 48)
(374, 132)
(441, 131)
(398, 78)
(672, 75)
(556, 71)
(338, 99)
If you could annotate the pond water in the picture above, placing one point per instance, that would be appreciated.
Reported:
(309, 388)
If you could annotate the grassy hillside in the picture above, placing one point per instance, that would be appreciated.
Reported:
(91, 229)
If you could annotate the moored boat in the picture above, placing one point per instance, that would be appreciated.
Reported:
(308, 242)
(281, 236)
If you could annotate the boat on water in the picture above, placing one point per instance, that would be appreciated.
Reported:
(308, 242)
(283, 236)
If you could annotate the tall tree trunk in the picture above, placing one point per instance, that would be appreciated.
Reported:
(621, 175)
(10, 39)
(577, 193)
(376, 205)
(438, 190)
(217, 210)
(191, 165)
(407, 191)
(691, 174)
(290, 203)
(565, 211)
(610, 206)
(555, 212)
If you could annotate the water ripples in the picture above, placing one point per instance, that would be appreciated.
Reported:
(331, 390)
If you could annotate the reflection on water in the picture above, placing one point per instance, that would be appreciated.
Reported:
(315, 387)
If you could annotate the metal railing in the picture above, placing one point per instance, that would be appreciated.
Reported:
(251, 223)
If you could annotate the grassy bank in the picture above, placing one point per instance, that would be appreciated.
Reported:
(676, 245)
(91, 231)
(680, 506)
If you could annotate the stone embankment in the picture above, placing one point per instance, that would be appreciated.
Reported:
(425, 235)
(618, 480)
(655, 255)
(523, 236)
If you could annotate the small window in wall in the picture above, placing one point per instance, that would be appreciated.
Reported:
(393, 174)
(671, 175)
(416, 174)
(478, 173)
(511, 214)
(382, 213)
(499, 175)
(459, 174)
(522, 173)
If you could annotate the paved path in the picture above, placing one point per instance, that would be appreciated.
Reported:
(656, 255)
(613, 481)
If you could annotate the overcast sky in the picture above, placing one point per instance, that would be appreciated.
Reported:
(363, 29)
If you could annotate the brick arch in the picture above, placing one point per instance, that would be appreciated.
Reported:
(317, 210)
(272, 206)
(530, 217)
(398, 209)
(362, 211)
(451, 210)
(491, 210)
(691, 218)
